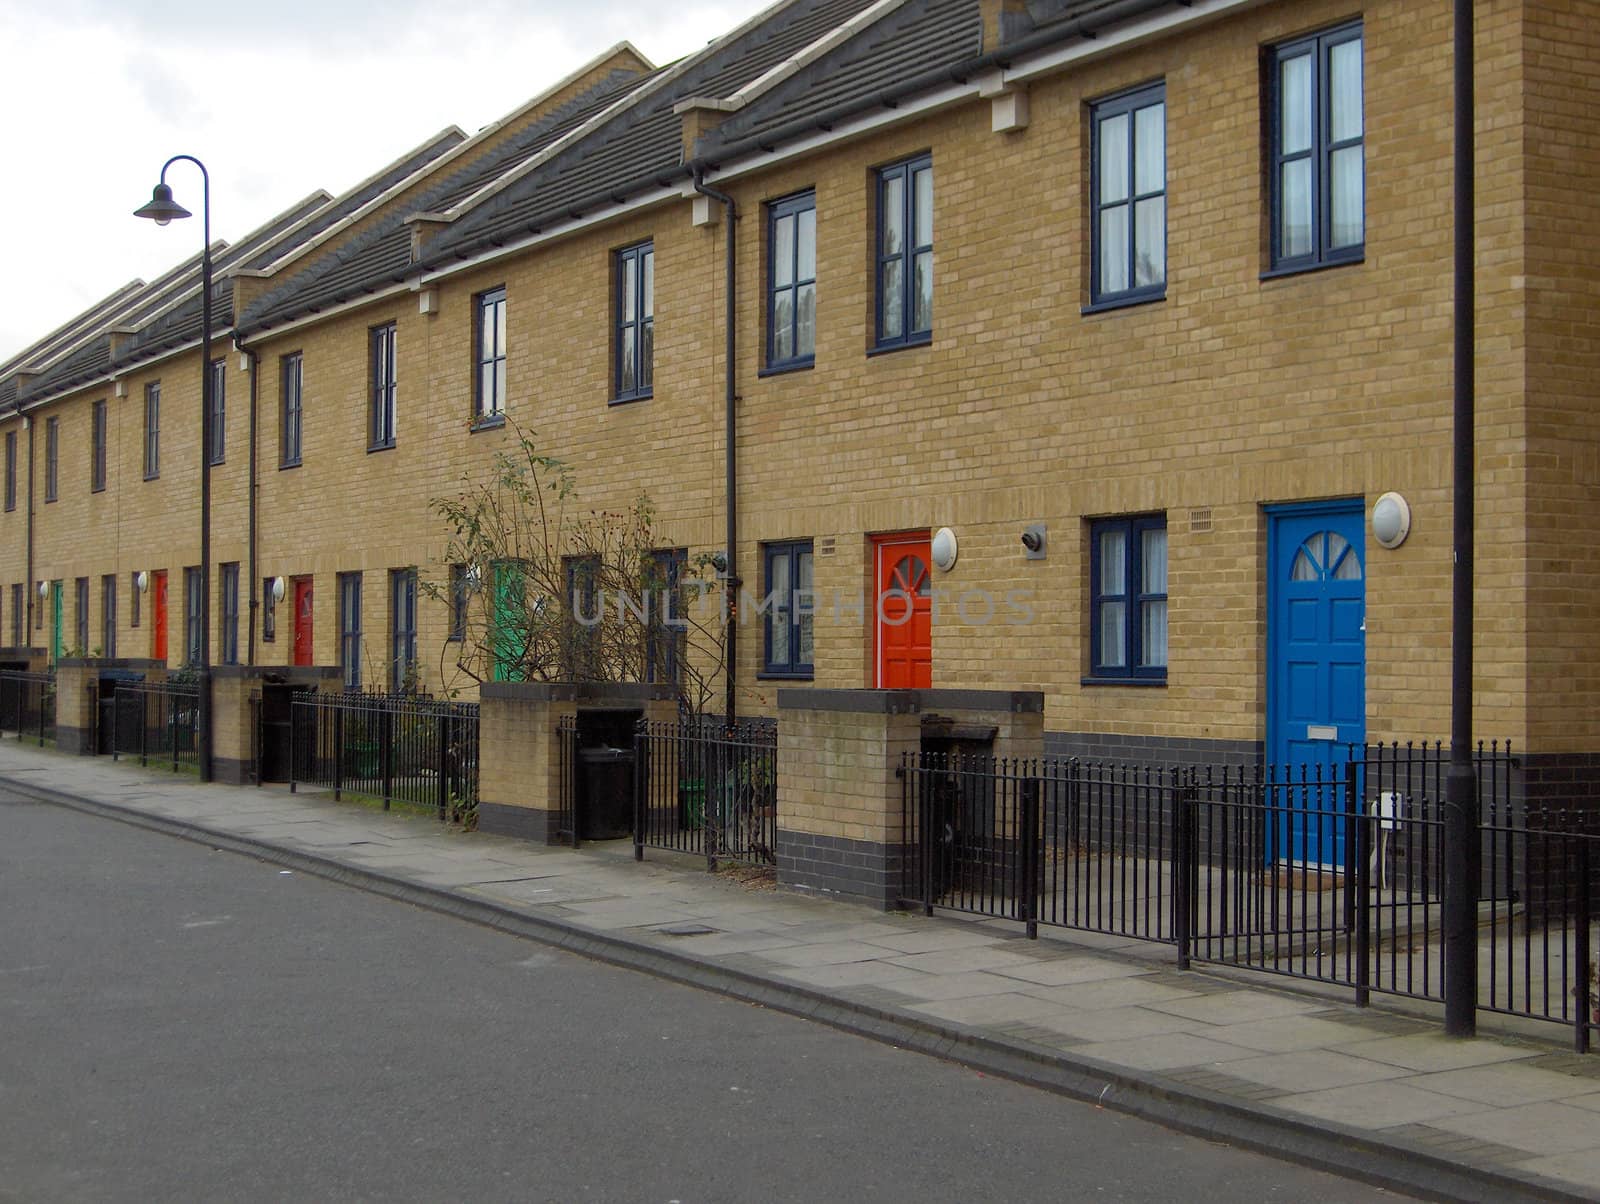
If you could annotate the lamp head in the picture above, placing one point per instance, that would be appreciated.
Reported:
(161, 208)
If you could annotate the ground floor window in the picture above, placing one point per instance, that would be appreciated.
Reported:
(1128, 598)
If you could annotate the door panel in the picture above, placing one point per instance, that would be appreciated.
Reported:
(903, 612)
(1316, 649)
(302, 621)
(158, 628)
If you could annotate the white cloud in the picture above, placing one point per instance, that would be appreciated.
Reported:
(277, 100)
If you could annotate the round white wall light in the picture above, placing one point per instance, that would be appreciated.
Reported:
(141, 581)
(944, 548)
(1391, 520)
(44, 589)
(279, 588)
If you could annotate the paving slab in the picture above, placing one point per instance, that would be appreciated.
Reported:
(1507, 1085)
(1165, 1051)
(1543, 1128)
(1283, 1034)
(1434, 1051)
(1378, 1105)
(1303, 1070)
(1109, 993)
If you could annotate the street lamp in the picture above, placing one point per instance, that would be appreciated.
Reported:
(162, 209)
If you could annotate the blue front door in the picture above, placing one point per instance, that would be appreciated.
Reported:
(1316, 649)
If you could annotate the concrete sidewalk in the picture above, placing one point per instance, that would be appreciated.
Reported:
(1374, 1092)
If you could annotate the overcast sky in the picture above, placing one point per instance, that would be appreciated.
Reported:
(278, 99)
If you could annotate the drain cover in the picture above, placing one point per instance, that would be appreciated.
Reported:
(687, 930)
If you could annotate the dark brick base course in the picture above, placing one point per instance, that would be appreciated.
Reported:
(498, 819)
(78, 740)
(840, 868)
(232, 772)
(1156, 751)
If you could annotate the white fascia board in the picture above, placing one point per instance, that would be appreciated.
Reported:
(1131, 33)
(332, 311)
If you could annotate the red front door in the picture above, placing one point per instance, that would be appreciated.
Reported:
(158, 629)
(302, 621)
(903, 612)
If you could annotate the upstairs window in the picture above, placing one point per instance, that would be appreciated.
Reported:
(290, 375)
(218, 413)
(489, 339)
(1129, 187)
(11, 470)
(1318, 181)
(904, 287)
(792, 281)
(635, 307)
(1128, 598)
(52, 453)
(381, 355)
(152, 430)
(97, 447)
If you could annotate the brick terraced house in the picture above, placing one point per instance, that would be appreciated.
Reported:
(1147, 302)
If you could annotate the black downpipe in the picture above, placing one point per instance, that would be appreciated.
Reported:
(730, 458)
(253, 583)
(1461, 851)
(27, 631)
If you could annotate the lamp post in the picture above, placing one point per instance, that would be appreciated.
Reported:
(162, 209)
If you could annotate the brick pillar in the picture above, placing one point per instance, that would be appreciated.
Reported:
(519, 757)
(76, 681)
(232, 736)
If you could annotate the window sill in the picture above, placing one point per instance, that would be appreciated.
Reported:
(217, 463)
(631, 398)
(778, 675)
(49, 501)
(1123, 302)
(1143, 682)
(491, 422)
(97, 489)
(378, 447)
(1301, 269)
(287, 464)
(921, 340)
(784, 369)
(152, 476)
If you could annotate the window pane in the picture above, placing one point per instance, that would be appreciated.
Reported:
(924, 213)
(803, 604)
(1294, 104)
(782, 328)
(625, 379)
(1113, 562)
(778, 589)
(486, 387)
(1150, 242)
(1344, 88)
(783, 252)
(500, 326)
(890, 298)
(807, 269)
(1346, 189)
(1113, 635)
(893, 220)
(649, 285)
(1153, 564)
(1150, 149)
(1114, 249)
(1114, 159)
(647, 352)
(1294, 200)
(922, 292)
(499, 386)
(805, 342)
(485, 332)
(629, 303)
(1153, 634)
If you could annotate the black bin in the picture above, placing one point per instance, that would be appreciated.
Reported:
(105, 734)
(605, 785)
(276, 734)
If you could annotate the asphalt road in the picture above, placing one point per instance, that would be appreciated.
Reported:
(178, 1023)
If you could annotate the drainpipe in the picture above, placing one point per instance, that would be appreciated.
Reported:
(27, 631)
(251, 584)
(730, 459)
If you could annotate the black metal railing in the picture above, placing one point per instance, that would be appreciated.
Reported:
(705, 788)
(157, 721)
(28, 704)
(1330, 873)
(396, 748)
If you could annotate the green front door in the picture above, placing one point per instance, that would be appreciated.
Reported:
(55, 622)
(507, 635)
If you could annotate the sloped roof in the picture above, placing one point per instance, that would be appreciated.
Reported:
(382, 254)
(640, 148)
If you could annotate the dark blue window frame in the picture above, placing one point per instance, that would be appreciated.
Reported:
(1318, 154)
(108, 615)
(81, 597)
(230, 613)
(152, 430)
(350, 629)
(896, 322)
(633, 366)
(665, 634)
(11, 470)
(402, 627)
(458, 603)
(381, 361)
(789, 615)
(1130, 196)
(291, 370)
(791, 282)
(218, 425)
(52, 458)
(1134, 598)
(191, 615)
(489, 358)
(97, 447)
